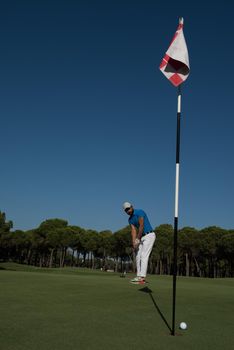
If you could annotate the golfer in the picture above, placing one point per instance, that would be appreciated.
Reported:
(143, 238)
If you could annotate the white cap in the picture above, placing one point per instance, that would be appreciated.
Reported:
(126, 205)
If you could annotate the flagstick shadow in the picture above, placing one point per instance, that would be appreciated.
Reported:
(149, 291)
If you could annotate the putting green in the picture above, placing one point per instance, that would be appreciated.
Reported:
(74, 308)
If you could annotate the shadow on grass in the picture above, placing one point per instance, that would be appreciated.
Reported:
(149, 292)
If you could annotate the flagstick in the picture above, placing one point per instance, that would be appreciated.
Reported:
(176, 207)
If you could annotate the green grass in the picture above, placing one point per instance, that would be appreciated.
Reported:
(77, 308)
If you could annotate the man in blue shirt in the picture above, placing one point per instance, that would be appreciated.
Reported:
(143, 238)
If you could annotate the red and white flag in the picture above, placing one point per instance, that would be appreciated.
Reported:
(175, 63)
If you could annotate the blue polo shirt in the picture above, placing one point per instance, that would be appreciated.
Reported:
(134, 220)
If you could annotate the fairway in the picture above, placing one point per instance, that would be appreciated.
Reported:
(84, 309)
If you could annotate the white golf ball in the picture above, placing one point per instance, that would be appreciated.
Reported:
(183, 325)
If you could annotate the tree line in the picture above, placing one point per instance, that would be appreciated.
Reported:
(201, 253)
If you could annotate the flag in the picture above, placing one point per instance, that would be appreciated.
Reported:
(175, 63)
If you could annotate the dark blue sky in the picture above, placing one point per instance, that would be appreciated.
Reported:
(88, 120)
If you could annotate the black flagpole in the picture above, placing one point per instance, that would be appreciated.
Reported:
(176, 208)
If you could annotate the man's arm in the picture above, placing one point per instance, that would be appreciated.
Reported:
(141, 227)
(134, 235)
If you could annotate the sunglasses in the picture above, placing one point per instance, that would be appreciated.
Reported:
(127, 209)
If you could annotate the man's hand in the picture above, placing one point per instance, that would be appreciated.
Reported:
(136, 243)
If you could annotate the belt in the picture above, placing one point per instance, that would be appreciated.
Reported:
(146, 233)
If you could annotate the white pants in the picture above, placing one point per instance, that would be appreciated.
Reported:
(143, 253)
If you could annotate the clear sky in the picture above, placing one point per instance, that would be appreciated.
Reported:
(88, 120)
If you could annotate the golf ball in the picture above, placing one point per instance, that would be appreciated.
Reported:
(183, 325)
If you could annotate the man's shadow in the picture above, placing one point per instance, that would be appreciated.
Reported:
(149, 291)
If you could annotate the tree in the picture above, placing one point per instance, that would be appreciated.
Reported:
(92, 246)
(226, 251)
(188, 247)
(47, 239)
(5, 236)
(163, 249)
(205, 253)
(19, 246)
(105, 247)
(75, 243)
(210, 241)
(122, 248)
